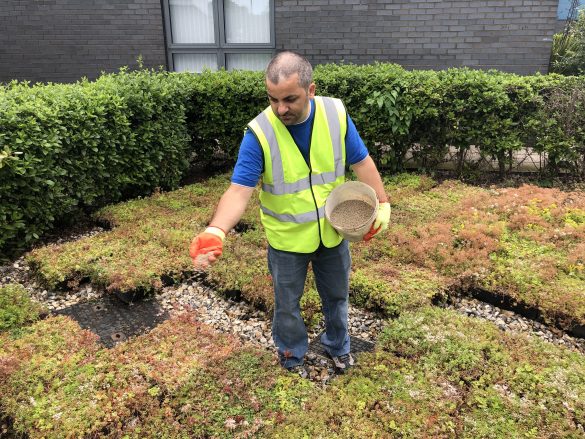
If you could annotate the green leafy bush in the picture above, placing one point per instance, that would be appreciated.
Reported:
(558, 126)
(568, 52)
(220, 106)
(66, 148)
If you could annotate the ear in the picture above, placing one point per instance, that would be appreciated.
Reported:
(312, 90)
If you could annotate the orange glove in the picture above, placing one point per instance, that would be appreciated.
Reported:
(380, 223)
(206, 247)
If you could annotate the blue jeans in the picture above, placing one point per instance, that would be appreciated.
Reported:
(289, 271)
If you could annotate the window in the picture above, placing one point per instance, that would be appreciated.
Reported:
(215, 34)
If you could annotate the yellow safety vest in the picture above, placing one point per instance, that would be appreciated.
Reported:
(292, 199)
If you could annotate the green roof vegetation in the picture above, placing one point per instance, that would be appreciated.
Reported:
(16, 308)
(434, 372)
(525, 243)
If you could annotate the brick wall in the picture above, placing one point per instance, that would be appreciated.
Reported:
(63, 40)
(511, 35)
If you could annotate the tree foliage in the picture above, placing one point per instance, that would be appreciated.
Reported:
(568, 54)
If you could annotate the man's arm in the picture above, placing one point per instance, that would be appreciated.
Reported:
(231, 207)
(367, 172)
(206, 247)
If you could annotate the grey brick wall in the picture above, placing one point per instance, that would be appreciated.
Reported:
(64, 40)
(511, 35)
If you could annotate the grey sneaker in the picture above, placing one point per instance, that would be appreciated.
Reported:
(299, 369)
(343, 362)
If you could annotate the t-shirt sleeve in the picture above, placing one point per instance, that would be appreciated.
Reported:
(250, 161)
(355, 149)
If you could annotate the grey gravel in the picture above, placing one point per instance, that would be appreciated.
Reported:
(254, 326)
(510, 321)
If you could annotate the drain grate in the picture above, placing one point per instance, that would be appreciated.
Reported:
(357, 345)
(114, 320)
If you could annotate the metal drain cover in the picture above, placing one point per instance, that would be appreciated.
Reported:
(114, 320)
(357, 345)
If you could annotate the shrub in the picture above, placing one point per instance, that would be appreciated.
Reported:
(568, 52)
(76, 147)
(558, 126)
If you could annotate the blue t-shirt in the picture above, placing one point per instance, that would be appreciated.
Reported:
(250, 162)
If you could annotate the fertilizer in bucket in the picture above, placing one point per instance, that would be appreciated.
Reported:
(351, 208)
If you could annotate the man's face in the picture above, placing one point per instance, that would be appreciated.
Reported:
(289, 101)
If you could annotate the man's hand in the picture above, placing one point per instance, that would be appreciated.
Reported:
(381, 221)
(206, 247)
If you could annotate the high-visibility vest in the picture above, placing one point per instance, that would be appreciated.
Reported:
(293, 195)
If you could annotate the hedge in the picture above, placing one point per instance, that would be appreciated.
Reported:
(78, 147)
(66, 148)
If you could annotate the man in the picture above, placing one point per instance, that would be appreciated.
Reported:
(298, 147)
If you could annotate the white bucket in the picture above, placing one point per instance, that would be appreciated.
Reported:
(352, 190)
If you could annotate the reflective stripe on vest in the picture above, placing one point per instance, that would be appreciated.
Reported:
(293, 195)
(299, 218)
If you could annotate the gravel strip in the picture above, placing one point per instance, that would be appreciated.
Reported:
(254, 326)
(511, 321)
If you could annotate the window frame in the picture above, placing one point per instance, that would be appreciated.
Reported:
(219, 47)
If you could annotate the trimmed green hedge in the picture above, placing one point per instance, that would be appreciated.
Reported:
(65, 148)
(220, 106)
(81, 146)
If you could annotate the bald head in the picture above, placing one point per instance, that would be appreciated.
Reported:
(285, 64)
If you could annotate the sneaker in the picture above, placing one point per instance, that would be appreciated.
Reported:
(343, 362)
(299, 369)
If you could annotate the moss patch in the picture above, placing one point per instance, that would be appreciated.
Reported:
(439, 374)
(16, 308)
(435, 373)
(393, 289)
(180, 380)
